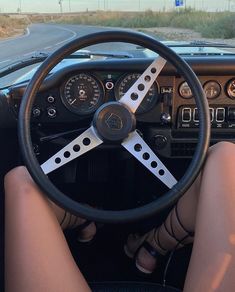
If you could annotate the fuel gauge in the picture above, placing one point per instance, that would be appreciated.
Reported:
(230, 88)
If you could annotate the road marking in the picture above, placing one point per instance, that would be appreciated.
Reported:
(5, 61)
(17, 37)
(74, 34)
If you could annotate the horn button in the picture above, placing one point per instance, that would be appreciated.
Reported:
(114, 121)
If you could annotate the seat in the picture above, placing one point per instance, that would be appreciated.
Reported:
(130, 287)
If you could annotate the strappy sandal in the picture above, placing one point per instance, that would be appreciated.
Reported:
(156, 254)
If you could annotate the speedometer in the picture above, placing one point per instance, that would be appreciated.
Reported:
(127, 81)
(82, 94)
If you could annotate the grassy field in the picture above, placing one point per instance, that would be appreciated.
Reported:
(209, 24)
(10, 26)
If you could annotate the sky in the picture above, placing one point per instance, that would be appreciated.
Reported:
(123, 5)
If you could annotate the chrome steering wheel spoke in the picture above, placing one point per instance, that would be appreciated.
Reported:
(87, 141)
(137, 92)
(141, 151)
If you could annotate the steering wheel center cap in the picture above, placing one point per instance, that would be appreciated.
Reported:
(114, 121)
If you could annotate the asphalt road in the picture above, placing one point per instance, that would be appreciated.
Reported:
(46, 37)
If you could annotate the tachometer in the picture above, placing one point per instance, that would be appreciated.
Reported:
(230, 88)
(127, 81)
(82, 94)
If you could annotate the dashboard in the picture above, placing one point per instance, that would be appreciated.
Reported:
(168, 116)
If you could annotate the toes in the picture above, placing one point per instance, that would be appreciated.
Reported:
(87, 233)
(145, 262)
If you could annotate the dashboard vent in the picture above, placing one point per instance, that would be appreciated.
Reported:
(182, 149)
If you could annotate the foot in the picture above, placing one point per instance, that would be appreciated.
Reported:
(86, 231)
(146, 255)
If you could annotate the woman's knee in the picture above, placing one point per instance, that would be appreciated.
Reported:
(222, 152)
(18, 181)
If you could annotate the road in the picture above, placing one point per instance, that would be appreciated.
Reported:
(46, 37)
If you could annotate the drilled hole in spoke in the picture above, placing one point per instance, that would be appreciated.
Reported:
(153, 70)
(154, 164)
(138, 147)
(76, 148)
(146, 156)
(134, 96)
(86, 141)
(147, 78)
(57, 160)
(141, 87)
(67, 154)
(161, 172)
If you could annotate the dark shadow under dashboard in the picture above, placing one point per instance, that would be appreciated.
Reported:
(168, 117)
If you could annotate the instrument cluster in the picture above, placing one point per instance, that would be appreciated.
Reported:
(83, 93)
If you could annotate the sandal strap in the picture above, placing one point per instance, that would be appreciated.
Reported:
(151, 250)
(83, 225)
(157, 239)
(64, 217)
(190, 233)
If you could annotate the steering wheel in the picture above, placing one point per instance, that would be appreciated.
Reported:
(115, 122)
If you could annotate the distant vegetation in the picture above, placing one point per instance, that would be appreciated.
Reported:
(10, 26)
(209, 24)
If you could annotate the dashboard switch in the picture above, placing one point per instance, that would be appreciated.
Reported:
(186, 115)
(36, 112)
(211, 114)
(165, 118)
(231, 114)
(50, 99)
(220, 114)
(195, 115)
(51, 112)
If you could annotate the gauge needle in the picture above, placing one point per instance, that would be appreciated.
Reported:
(72, 102)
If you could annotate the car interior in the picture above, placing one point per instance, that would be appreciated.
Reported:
(123, 192)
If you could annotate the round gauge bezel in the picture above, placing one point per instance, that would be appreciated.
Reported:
(181, 95)
(120, 80)
(76, 110)
(217, 83)
(228, 84)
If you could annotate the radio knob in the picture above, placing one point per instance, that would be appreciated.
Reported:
(160, 142)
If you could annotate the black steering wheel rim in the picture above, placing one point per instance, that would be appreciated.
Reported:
(52, 191)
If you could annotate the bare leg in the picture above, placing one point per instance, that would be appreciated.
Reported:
(208, 204)
(37, 257)
(212, 265)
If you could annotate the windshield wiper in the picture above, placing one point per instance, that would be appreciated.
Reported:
(199, 44)
(40, 57)
(104, 54)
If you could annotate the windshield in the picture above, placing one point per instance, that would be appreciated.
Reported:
(30, 28)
